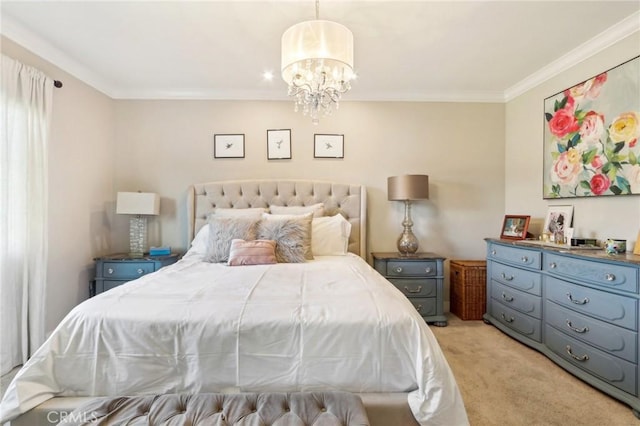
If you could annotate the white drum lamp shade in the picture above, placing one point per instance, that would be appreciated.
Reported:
(139, 205)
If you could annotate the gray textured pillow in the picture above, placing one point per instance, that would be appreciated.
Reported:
(292, 236)
(222, 230)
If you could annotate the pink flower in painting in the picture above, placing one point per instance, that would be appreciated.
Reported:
(595, 86)
(597, 163)
(563, 123)
(632, 142)
(599, 184)
(564, 170)
(592, 128)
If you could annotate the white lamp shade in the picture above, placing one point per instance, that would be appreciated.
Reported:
(142, 203)
(326, 40)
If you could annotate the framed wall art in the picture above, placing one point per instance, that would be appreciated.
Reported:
(328, 146)
(279, 144)
(228, 146)
(591, 133)
(515, 227)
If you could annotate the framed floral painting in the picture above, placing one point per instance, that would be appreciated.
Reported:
(591, 133)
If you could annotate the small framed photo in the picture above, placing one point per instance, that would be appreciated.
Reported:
(279, 144)
(228, 146)
(515, 227)
(328, 146)
(558, 220)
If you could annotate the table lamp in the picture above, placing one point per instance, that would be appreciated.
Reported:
(407, 188)
(139, 205)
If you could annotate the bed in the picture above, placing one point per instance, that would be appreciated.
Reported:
(326, 323)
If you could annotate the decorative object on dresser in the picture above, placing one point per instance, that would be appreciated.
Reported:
(558, 220)
(317, 64)
(139, 205)
(420, 278)
(228, 146)
(468, 279)
(578, 307)
(279, 144)
(636, 248)
(328, 146)
(590, 136)
(407, 188)
(515, 227)
(116, 269)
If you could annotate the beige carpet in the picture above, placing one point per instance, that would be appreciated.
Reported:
(504, 382)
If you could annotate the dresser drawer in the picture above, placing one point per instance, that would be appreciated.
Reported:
(524, 280)
(416, 288)
(516, 256)
(614, 340)
(610, 276)
(424, 305)
(618, 310)
(523, 302)
(615, 371)
(523, 324)
(109, 284)
(126, 270)
(408, 268)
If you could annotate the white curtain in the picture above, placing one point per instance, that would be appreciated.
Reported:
(25, 115)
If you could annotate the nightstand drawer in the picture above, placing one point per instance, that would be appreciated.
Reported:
(416, 288)
(128, 270)
(424, 305)
(408, 268)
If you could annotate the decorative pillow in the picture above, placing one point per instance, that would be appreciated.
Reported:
(256, 252)
(200, 241)
(222, 230)
(253, 213)
(316, 209)
(292, 235)
(330, 235)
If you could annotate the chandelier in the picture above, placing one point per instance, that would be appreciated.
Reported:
(317, 64)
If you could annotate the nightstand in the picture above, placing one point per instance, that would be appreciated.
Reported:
(420, 277)
(116, 269)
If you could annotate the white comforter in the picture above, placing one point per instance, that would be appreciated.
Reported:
(332, 323)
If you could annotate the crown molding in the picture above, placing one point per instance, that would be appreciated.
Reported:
(24, 37)
(607, 38)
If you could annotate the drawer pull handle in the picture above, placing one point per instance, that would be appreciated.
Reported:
(110, 271)
(584, 357)
(493, 252)
(507, 278)
(428, 269)
(506, 298)
(398, 269)
(577, 330)
(509, 320)
(553, 265)
(524, 259)
(140, 271)
(415, 290)
(610, 277)
(577, 302)
(418, 308)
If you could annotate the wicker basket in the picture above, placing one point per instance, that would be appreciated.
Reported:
(468, 280)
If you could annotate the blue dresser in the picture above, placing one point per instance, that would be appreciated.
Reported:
(577, 307)
(116, 269)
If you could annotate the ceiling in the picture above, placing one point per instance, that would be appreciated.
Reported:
(404, 50)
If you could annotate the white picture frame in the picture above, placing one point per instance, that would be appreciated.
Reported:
(558, 220)
(328, 146)
(279, 144)
(228, 146)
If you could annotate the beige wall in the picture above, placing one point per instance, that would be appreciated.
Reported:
(163, 146)
(594, 217)
(81, 170)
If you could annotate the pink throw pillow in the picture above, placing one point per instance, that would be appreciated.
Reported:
(255, 252)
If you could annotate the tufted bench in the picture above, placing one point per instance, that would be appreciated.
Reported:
(246, 409)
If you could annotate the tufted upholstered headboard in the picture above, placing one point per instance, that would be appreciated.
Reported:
(348, 200)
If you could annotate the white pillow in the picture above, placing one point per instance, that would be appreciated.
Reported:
(330, 235)
(316, 209)
(200, 241)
